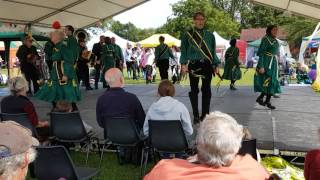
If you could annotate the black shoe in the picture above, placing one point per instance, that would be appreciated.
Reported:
(89, 88)
(276, 96)
(270, 106)
(232, 88)
(260, 101)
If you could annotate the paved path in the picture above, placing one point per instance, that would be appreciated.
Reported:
(293, 126)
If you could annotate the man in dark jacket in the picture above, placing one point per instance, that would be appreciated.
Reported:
(27, 54)
(96, 50)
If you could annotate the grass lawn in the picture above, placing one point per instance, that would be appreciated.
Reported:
(247, 79)
(110, 168)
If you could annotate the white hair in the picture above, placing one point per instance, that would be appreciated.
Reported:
(219, 139)
(114, 78)
(18, 84)
(9, 165)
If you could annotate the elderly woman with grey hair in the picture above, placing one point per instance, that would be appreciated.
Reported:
(16, 150)
(218, 142)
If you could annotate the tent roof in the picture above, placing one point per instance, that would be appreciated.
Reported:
(309, 8)
(18, 36)
(316, 37)
(220, 41)
(153, 40)
(79, 13)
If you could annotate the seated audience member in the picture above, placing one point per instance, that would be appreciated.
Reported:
(16, 151)
(312, 164)
(18, 102)
(65, 106)
(116, 102)
(168, 108)
(218, 142)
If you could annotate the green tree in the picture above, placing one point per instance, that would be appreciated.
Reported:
(128, 31)
(216, 20)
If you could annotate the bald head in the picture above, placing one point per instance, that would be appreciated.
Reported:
(114, 78)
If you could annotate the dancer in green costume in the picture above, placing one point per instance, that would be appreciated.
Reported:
(108, 58)
(266, 76)
(232, 70)
(63, 79)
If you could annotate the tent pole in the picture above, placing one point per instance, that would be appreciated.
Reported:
(7, 55)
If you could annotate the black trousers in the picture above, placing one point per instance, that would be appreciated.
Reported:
(83, 74)
(163, 65)
(32, 75)
(97, 68)
(200, 69)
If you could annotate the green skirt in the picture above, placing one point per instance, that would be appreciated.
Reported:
(265, 84)
(52, 92)
(232, 73)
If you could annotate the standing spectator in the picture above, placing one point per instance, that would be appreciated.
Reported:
(148, 61)
(97, 50)
(162, 55)
(118, 54)
(175, 65)
(139, 52)
(16, 151)
(218, 142)
(27, 54)
(18, 102)
(82, 65)
(128, 58)
(135, 64)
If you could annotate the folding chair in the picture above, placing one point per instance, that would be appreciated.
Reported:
(249, 147)
(54, 162)
(69, 128)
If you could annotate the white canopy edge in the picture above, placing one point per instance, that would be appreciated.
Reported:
(79, 13)
(309, 8)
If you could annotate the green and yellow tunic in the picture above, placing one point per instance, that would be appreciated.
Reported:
(74, 47)
(63, 65)
(108, 57)
(267, 82)
(231, 68)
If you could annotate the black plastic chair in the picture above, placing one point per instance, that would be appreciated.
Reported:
(249, 147)
(22, 119)
(122, 131)
(167, 136)
(54, 162)
(69, 128)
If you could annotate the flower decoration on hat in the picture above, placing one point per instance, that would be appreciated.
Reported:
(56, 25)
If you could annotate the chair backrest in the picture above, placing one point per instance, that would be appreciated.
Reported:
(167, 136)
(121, 131)
(249, 147)
(22, 119)
(67, 126)
(52, 163)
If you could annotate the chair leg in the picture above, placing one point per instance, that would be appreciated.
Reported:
(101, 155)
(146, 162)
(88, 149)
(142, 162)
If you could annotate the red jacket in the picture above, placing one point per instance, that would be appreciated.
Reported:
(312, 165)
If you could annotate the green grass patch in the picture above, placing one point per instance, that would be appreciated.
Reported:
(110, 168)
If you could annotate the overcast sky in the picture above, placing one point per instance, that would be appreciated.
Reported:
(151, 14)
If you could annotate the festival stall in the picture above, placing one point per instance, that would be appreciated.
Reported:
(153, 41)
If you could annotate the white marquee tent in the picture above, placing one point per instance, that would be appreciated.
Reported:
(220, 41)
(79, 13)
(119, 40)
